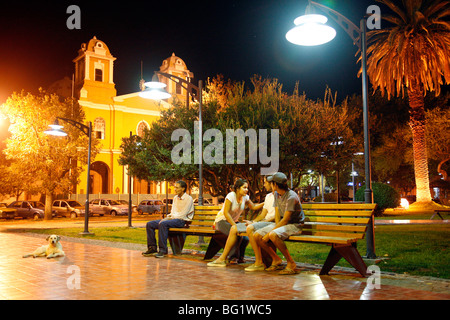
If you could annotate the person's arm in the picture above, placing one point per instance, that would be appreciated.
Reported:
(226, 212)
(261, 216)
(254, 207)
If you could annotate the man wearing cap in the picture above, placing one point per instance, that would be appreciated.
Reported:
(289, 217)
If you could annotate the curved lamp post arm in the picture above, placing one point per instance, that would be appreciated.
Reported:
(350, 28)
(82, 127)
(187, 85)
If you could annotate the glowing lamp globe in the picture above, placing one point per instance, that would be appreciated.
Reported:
(310, 30)
(56, 130)
(155, 91)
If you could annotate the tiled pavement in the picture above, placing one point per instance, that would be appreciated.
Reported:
(97, 272)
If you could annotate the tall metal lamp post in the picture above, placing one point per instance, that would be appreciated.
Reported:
(311, 30)
(56, 130)
(155, 91)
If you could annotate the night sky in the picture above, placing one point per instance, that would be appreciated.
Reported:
(235, 38)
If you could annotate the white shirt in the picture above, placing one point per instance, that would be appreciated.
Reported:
(268, 205)
(236, 208)
(182, 207)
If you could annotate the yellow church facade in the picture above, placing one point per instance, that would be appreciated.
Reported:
(114, 117)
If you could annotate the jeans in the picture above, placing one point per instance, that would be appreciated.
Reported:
(163, 232)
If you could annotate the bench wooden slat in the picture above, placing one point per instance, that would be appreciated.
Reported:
(346, 213)
(331, 227)
(201, 223)
(323, 239)
(204, 217)
(358, 236)
(340, 206)
(200, 230)
(338, 220)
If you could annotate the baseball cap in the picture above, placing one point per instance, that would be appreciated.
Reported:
(278, 177)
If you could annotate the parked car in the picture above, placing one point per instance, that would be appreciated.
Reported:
(7, 213)
(28, 209)
(169, 206)
(149, 206)
(70, 208)
(125, 202)
(107, 206)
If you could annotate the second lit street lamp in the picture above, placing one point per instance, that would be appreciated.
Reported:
(311, 30)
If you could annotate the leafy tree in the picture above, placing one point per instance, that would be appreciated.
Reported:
(306, 130)
(45, 162)
(413, 55)
(438, 137)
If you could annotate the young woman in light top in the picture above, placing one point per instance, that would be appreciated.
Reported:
(227, 218)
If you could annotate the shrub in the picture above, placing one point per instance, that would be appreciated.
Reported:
(329, 197)
(384, 195)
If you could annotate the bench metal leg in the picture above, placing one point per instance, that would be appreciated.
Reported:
(349, 253)
(217, 242)
(177, 243)
(436, 213)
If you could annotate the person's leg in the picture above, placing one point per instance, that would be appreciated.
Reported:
(231, 241)
(276, 260)
(256, 248)
(255, 233)
(243, 243)
(163, 232)
(278, 236)
(151, 239)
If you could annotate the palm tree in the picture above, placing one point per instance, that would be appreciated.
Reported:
(412, 55)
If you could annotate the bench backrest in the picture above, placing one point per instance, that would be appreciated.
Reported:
(337, 220)
(204, 216)
(322, 219)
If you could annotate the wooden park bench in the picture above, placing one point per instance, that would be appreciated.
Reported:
(439, 211)
(337, 225)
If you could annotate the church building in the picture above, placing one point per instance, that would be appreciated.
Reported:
(114, 117)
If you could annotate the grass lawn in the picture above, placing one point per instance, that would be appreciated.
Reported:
(413, 249)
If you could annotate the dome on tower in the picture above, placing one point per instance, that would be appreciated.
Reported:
(174, 63)
(96, 46)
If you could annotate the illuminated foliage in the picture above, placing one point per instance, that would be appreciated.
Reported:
(44, 163)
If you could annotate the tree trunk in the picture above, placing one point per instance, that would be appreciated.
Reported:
(48, 206)
(418, 124)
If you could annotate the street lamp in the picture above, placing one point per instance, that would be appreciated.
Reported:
(319, 33)
(56, 130)
(155, 91)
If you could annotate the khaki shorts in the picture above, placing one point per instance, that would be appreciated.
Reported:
(288, 230)
(263, 227)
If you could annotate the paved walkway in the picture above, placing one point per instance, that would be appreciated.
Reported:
(94, 270)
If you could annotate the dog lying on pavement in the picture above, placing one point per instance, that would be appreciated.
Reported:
(52, 250)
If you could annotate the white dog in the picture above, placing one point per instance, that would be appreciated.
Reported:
(52, 250)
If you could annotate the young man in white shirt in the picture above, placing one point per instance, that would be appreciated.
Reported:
(182, 211)
(263, 224)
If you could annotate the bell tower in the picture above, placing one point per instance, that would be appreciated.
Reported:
(94, 69)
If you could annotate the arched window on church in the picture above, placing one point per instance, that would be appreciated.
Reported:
(99, 128)
(141, 126)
